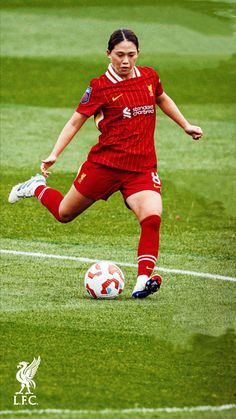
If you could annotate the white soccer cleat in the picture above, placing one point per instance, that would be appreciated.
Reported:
(140, 284)
(152, 285)
(26, 189)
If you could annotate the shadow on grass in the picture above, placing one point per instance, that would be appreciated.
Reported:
(86, 368)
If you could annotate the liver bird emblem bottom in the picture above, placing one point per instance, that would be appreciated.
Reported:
(25, 375)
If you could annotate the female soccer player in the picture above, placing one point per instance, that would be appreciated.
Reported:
(123, 103)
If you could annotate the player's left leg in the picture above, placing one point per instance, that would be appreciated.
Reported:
(147, 206)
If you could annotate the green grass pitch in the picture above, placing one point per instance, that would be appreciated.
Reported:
(175, 349)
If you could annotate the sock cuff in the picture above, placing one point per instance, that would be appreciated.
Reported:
(156, 218)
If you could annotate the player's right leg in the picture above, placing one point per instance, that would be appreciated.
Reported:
(64, 209)
(73, 204)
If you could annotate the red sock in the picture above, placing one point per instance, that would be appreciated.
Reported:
(50, 198)
(148, 244)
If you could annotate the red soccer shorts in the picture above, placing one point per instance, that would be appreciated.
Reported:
(97, 181)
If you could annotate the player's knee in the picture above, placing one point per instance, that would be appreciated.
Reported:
(65, 217)
(64, 220)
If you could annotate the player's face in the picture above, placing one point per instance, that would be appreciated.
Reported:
(123, 58)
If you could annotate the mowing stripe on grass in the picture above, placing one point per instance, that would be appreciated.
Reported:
(130, 265)
(120, 411)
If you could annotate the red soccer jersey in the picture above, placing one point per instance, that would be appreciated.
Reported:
(125, 113)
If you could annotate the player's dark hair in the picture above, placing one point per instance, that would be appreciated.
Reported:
(122, 35)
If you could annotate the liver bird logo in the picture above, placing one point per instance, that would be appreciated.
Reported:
(150, 90)
(26, 374)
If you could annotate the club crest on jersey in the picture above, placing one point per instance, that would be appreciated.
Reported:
(86, 96)
(150, 90)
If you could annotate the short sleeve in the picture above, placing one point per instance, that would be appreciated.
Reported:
(91, 100)
(159, 87)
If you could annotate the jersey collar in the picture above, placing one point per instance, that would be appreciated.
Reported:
(112, 76)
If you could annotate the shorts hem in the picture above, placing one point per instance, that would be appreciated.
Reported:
(141, 190)
(78, 190)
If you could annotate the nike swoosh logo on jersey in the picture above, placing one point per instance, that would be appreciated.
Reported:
(114, 98)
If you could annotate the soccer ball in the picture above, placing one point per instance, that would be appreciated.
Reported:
(104, 280)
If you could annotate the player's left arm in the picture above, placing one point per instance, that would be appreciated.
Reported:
(169, 107)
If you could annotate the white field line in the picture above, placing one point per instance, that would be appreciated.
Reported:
(120, 411)
(130, 265)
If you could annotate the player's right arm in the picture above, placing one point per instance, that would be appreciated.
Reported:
(67, 134)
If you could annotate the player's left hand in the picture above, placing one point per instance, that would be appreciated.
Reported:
(195, 132)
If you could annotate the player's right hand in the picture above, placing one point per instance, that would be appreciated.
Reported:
(48, 162)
